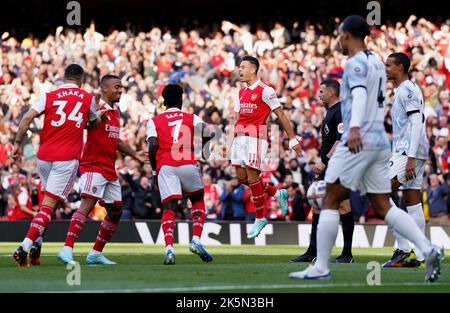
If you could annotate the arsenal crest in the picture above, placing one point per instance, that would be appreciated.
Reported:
(254, 96)
(94, 189)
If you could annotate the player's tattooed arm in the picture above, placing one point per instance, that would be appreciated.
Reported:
(24, 125)
(286, 124)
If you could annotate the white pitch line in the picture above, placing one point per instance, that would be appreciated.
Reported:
(245, 287)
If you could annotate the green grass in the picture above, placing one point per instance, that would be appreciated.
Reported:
(244, 268)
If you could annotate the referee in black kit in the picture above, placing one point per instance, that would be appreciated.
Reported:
(332, 129)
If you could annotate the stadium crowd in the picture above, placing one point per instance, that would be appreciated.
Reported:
(294, 60)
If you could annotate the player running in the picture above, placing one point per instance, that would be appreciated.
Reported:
(409, 155)
(171, 151)
(362, 157)
(67, 111)
(256, 101)
(331, 130)
(98, 181)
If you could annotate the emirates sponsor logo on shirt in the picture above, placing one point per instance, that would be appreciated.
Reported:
(113, 131)
(247, 108)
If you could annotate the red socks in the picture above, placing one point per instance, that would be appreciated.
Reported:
(198, 217)
(75, 227)
(107, 229)
(40, 223)
(168, 226)
(258, 197)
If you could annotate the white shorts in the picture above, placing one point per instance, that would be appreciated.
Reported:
(94, 185)
(58, 177)
(248, 152)
(366, 171)
(397, 166)
(174, 180)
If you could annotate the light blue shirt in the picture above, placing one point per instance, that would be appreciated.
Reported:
(365, 70)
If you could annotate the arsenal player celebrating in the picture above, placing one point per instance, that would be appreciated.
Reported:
(67, 111)
(98, 179)
(171, 151)
(250, 144)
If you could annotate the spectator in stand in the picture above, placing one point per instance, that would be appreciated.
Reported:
(23, 209)
(232, 198)
(437, 195)
(212, 194)
(296, 204)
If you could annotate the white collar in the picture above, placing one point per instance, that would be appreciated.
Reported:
(172, 109)
(255, 84)
(69, 86)
(106, 105)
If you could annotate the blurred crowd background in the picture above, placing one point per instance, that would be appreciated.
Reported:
(295, 57)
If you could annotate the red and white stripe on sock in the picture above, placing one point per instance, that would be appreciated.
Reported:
(107, 229)
(75, 227)
(198, 217)
(40, 223)
(258, 197)
(168, 226)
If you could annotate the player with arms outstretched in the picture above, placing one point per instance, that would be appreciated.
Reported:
(361, 159)
(67, 110)
(249, 149)
(98, 181)
(409, 155)
(171, 151)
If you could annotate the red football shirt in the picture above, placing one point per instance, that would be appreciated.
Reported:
(175, 132)
(255, 104)
(22, 198)
(67, 111)
(100, 150)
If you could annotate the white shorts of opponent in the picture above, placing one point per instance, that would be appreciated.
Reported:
(397, 166)
(366, 171)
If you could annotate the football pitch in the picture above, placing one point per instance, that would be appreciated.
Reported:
(245, 268)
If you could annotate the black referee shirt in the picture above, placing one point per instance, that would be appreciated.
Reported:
(332, 129)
